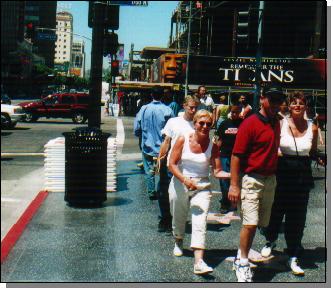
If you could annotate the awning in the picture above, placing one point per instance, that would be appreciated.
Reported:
(151, 52)
(135, 86)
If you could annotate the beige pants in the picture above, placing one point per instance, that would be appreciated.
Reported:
(181, 200)
(257, 196)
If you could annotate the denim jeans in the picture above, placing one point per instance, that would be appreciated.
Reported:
(225, 183)
(149, 165)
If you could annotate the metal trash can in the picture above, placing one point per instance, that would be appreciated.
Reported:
(85, 166)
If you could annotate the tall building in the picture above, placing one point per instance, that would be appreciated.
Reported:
(41, 16)
(64, 26)
(12, 34)
(78, 62)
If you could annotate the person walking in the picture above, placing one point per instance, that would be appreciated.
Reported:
(226, 133)
(206, 102)
(149, 122)
(253, 167)
(246, 108)
(189, 188)
(294, 181)
(174, 128)
(221, 111)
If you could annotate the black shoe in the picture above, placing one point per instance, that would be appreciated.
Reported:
(164, 226)
(225, 209)
(153, 196)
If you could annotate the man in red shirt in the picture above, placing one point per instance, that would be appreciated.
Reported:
(253, 165)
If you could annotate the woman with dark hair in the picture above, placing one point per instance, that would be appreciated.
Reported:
(294, 181)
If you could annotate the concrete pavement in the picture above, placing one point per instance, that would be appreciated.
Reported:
(119, 241)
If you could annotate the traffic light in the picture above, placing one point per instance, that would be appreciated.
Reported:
(243, 27)
(110, 44)
(115, 68)
(111, 20)
(111, 15)
(30, 30)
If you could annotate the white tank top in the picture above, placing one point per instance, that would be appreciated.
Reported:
(304, 143)
(195, 164)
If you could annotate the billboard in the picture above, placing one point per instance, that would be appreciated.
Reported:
(75, 71)
(240, 71)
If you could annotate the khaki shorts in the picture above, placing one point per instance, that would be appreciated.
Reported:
(257, 196)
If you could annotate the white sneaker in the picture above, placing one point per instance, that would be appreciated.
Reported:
(294, 266)
(243, 272)
(178, 249)
(202, 268)
(266, 251)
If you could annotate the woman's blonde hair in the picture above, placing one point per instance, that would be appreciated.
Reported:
(202, 113)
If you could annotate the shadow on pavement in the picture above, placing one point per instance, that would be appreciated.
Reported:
(122, 183)
(116, 201)
(20, 128)
(113, 201)
(6, 159)
(6, 133)
(312, 256)
(265, 272)
(58, 123)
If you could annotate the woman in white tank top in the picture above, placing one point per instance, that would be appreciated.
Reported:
(189, 188)
(294, 181)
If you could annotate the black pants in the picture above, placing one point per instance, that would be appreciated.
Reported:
(163, 194)
(294, 180)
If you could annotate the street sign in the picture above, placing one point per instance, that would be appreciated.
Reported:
(62, 67)
(46, 36)
(128, 3)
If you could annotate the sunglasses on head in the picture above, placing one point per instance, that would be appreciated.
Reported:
(202, 123)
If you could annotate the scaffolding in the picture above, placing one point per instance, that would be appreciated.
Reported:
(180, 26)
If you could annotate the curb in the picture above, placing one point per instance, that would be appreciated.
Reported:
(18, 228)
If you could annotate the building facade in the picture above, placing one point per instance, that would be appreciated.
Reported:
(41, 15)
(64, 26)
(78, 59)
(295, 29)
(12, 34)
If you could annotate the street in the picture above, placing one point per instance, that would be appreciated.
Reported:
(119, 242)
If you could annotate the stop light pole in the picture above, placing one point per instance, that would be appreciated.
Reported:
(258, 59)
(95, 91)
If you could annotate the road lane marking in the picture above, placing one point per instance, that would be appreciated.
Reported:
(22, 154)
(120, 136)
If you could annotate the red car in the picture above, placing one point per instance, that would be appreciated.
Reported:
(64, 105)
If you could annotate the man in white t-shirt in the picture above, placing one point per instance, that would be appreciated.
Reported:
(206, 101)
(174, 128)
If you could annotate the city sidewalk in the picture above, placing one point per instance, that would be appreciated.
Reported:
(119, 242)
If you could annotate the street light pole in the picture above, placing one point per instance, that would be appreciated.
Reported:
(188, 48)
(94, 119)
(258, 58)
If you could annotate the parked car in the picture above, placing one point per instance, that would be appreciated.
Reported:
(65, 105)
(10, 115)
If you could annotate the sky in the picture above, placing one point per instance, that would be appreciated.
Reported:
(143, 26)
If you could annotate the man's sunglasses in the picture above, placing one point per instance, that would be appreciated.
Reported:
(202, 123)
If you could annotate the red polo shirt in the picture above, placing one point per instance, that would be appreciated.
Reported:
(257, 143)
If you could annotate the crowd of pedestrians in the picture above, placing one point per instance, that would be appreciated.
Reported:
(262, 160)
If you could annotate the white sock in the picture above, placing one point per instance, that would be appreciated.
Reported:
(244, 261)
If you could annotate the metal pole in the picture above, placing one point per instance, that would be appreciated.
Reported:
(258, 58)
(130, 62)
(96, 66)
(188, 48)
